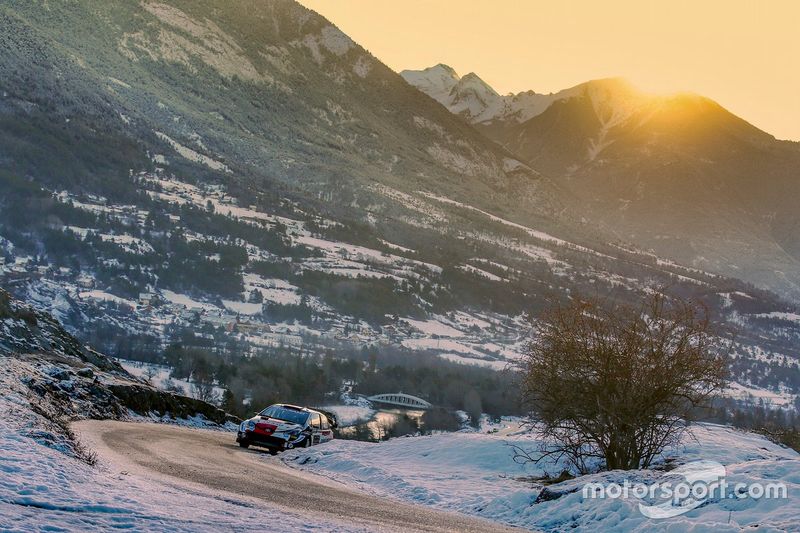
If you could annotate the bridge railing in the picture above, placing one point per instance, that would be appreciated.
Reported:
(400, 399)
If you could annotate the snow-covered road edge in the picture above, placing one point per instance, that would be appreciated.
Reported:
(474, 473)
(44, 486)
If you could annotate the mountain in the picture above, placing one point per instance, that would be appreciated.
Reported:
(212, 185)
(475, 100)
(676, 174)
(267, 93)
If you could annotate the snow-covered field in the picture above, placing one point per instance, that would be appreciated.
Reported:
(474, 473)
(770, 398)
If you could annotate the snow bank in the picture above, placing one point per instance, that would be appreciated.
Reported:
(770, 398)
(466, 472)
(789, 317)
(191, 155)
(474, 473)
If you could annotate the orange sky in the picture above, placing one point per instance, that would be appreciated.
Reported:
(744, 54)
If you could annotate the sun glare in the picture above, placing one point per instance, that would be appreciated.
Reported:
(659, 86)
(725, 50)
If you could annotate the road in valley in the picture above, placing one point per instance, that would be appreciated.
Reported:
(211, 460)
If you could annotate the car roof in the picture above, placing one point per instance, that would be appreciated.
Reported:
(297, 408)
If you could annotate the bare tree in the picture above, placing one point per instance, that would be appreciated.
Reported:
(616, 384)
(203, 382)
(149, 374)
(204, 390)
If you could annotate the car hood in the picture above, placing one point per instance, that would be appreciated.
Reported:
(274, 424)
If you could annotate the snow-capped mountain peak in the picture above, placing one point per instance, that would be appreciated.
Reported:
(444, 69)
(473, 82)
(613, 99)
(436, 81)
(477, 101)
(468, 96)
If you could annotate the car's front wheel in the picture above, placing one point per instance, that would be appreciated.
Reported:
(244, 444)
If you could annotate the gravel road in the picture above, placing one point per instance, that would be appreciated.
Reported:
(211, 460)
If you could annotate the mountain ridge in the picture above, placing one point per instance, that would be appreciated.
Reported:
(675, 174)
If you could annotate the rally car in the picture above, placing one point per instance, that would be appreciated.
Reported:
(282, 427)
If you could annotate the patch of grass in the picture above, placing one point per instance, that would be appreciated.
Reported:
(82, 451)
(551, 480)
(55, 415)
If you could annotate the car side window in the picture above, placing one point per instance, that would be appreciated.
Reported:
(315, 421)
(325, 424)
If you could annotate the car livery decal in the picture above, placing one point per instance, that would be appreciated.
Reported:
(265, 428)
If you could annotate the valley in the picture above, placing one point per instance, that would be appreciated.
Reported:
(469, 306)
(189, 265)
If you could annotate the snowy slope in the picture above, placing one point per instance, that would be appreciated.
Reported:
(474, 473)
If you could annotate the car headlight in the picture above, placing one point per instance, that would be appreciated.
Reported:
(251, 426)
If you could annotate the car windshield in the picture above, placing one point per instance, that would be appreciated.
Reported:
(282, 413)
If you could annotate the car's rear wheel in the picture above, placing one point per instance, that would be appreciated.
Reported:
(273, 451)
(244, 444)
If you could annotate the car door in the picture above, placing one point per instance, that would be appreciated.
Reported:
(316, 428)
(327, 432)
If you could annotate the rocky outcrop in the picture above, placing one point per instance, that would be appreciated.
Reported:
(65, 380)
(145, 399)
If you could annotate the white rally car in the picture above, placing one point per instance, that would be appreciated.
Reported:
(282, 427)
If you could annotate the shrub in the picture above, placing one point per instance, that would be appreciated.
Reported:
(616, 383)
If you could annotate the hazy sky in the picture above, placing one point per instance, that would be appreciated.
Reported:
(744, 54)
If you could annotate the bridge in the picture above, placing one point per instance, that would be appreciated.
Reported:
(398, 399)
